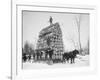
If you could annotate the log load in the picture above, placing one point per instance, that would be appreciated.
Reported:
(51, 37)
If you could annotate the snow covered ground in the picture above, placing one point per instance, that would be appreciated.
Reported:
(79, 62)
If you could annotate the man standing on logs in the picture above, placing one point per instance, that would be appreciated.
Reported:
(50, 20)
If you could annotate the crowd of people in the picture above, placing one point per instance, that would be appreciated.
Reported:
(48, 55)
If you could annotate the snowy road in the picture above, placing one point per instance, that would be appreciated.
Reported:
(80, 61)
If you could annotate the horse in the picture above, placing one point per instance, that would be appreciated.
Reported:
(70, 56)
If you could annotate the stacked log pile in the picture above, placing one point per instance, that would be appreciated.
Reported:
(51, 37)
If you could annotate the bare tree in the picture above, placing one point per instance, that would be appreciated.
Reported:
(88, 46)
(26, 47)
(78, 22)
(73, 41)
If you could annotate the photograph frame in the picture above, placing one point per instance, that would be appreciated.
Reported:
(16, 72)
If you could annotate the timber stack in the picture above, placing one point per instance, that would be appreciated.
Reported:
(51, 37)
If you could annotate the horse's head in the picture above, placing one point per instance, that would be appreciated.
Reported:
(76, 51)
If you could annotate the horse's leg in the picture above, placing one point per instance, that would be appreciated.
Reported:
(64, 59)
(45, 56)
(71, 60)
(67, 59)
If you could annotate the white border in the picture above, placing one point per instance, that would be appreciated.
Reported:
(16, 42)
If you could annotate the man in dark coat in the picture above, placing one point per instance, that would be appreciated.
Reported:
(50, 20)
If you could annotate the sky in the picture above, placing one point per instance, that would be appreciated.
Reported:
(35, 21)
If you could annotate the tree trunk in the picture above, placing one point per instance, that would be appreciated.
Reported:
(78, 20)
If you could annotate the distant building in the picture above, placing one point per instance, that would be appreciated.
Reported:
(51, 37)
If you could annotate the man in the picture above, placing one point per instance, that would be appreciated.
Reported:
(50, 20)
